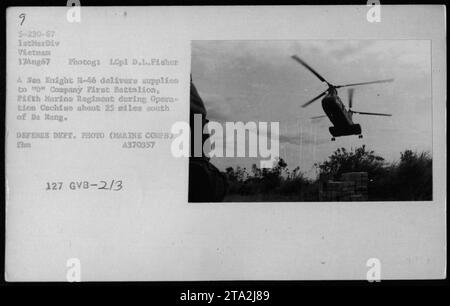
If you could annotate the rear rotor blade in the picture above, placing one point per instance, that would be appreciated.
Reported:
(317, 117)
(350, 97)
(295, 57)
(374, 114)
(311, 101)
(365, 83)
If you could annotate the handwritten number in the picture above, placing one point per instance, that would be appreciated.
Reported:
(22, 16)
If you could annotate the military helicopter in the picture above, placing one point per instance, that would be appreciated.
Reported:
(335, 110)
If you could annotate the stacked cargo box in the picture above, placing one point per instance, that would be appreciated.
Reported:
(360, 179)
(351, 187)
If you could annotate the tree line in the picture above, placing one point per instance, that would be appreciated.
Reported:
(407, 179)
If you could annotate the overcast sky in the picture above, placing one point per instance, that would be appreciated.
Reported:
(258, 81)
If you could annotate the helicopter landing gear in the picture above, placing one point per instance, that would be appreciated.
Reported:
(333, 139)
(360, 136)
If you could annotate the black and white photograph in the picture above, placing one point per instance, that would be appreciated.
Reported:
(238, 146)
(355, 120)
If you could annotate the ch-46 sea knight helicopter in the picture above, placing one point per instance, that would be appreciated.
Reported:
(334, 108)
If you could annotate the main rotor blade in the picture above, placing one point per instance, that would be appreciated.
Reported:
(365, 83)
(311, 101)
(374, 114)
(295, 57)
(317, 117)
(350, 97)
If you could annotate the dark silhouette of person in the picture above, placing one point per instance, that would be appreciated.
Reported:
(206, 182)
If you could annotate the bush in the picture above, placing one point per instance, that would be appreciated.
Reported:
(413, 176)
(359, 160)
(409, 179)
(277, 180)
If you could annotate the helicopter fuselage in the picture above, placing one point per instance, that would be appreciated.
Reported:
(339, 116)
(335, 110)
